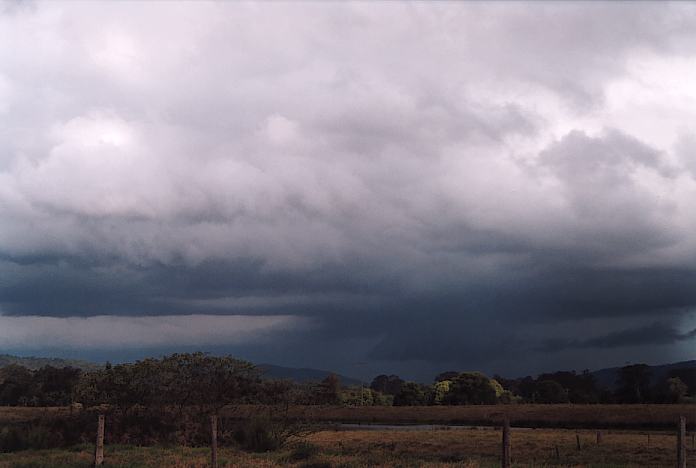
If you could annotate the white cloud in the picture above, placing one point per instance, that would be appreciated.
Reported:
(247, 130)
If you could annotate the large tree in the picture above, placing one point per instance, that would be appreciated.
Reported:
(387, 384)
(471, 388)
(634, 384)
(180, 380)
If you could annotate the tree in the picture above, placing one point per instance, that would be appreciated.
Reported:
(54, 386)
(16, 385)
(634, 384)
(550, 391)
(179, 380)
(471, 388)
(497, 388)
(387, 384)
(411, 394)
(448, 375)
(688, 376)
(440, 391)
(581, 388)
(676, 390)
(328, 392)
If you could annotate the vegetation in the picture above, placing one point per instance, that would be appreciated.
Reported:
(47, 386)
(527, 415)
(466, 448)
(34, 363)
(209, 383)
(169, 401)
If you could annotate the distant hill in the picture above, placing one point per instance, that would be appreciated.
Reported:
(271, 371)
(604, 377)
(607, 377)
(38, 362)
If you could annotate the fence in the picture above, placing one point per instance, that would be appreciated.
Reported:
(506, 446)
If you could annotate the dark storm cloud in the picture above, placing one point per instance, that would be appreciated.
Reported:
(655, 333)
(421, 183)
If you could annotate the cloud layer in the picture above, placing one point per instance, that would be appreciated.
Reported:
(429, 180)
(113, 332)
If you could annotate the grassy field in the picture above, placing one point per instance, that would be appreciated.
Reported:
(566, 416)
(470, 448)
(552, 444)
(562, 416)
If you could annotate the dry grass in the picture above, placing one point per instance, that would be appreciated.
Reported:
(9, 414)
(529, 447)
(468, 448)
(569, 416)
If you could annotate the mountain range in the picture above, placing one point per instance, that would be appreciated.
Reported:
(607, 377)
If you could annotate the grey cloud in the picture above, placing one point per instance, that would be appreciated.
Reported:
(686, 151)
(399, 173)
(653, 334)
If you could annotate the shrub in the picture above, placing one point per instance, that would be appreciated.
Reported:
(259, 435)
(303, 451)
(316, 465)
(14, 439)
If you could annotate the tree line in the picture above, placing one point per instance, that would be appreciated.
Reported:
(209, 383)
(633, 385)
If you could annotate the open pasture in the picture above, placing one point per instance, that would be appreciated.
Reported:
(561, 416)
(470, 448)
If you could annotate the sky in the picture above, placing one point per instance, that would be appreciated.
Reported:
(390, 187)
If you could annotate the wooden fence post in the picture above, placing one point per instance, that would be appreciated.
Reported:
(99, 451)
(681, 443)
(213, 440)
(506, 458)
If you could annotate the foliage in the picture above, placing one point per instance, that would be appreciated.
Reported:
(328, 392)
(260, 435)
(358, 396)
(674, 390)
(581, 388)
(171, 393)
(472, 449)
(179, 380)
(411, 394)
(687, 376)
(440, 390)
(169, 399)
(303, 450)
(448, 375)
(47, 386)
(497, 388)
(36, 363)
(47, 433)
(634, 384)
(387, 384)
(471, 388)
(550, 391)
